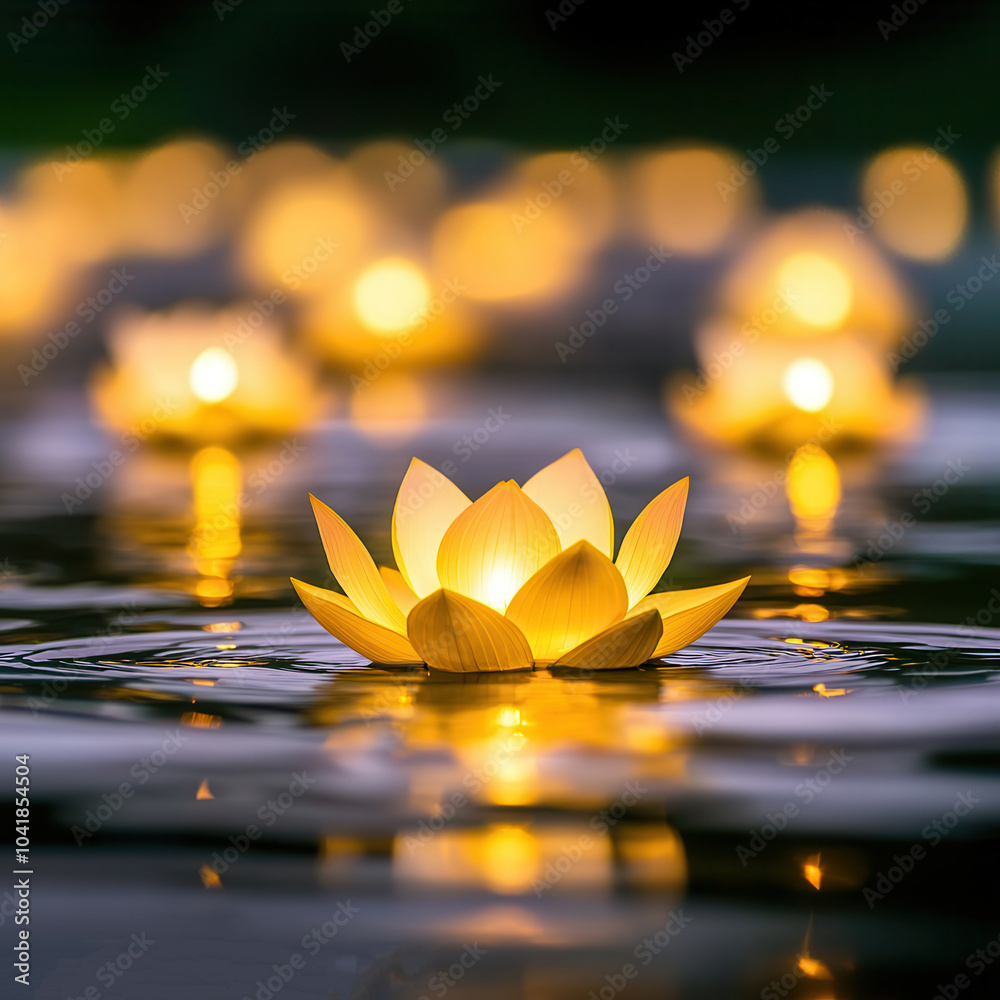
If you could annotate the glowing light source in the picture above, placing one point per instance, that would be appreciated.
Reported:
(499, 591)
(391, 295)
(214, 375)
(204, 792)
(817, 290)
(808, 384)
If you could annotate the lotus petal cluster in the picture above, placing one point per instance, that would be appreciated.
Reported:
(522, 576)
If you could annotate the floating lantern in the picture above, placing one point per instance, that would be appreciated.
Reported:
(521, 576)
(203, 375)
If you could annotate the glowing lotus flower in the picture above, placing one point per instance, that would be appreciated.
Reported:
(521, 576)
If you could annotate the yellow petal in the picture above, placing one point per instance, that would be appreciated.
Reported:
(650, 542)
(625, 644)
(343, 620)
(572, 496)
(426, 505)
(452, 632)
(354, 570)
(398, 590)
(496, 545)
(688, 614)
(571, 598)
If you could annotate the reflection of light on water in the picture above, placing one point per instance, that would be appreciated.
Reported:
(204, 792)
(812, 871)
(209, 878)
(818, 291)
(510, 855)
(391, 295)
(200, 720)
(217, 480)
(824, 692)
(213, 375)
(813, 487)
(509, 717)
(808, 384)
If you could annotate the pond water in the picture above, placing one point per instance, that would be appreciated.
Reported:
(804, 802)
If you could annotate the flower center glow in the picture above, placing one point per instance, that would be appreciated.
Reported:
(818, 291)
(213, 375)
(808, 384)
(503, 586)
(391, 295)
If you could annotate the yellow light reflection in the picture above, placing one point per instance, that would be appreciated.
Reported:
(201, 720)
(813, 485)
(204, 792)
(209, 878)
(812, 871)
(213, 375)
(391, 295)
(808, 384)
(217, 481)
(824, 692)
(818, 291)
(916, 202)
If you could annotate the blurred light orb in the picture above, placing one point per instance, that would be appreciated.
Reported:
(301, 234)
(391, 295)
(819, 292)
(808, 384)
(916, 202)
(686, 198)
(214, 375)
(498, 252)
(846, 284)
(171, 205)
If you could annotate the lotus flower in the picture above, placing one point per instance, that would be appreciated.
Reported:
(522, 576)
